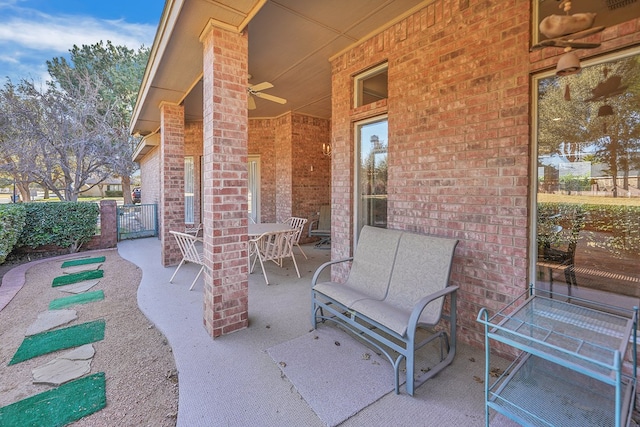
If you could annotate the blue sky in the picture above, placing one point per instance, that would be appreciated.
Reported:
(34, 31)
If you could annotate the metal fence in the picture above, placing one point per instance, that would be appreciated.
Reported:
(136, 221)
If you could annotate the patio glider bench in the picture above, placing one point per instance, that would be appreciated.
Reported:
(397, 283)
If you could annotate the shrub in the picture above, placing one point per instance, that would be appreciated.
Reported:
(65, 224)
(12, 218)
(620, 224)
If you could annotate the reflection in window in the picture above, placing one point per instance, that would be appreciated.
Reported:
(371, 86)
(588, 181)
(372, 174)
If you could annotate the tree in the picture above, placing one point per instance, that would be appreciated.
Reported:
(596, 112)
(120, 72)
(19, 125)
(75, 130)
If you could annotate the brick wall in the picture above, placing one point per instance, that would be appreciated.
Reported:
(262, 139)
(290, 149)
(458, 111)
(149, 177)
(311, 170)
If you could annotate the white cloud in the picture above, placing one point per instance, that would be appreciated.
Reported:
(60, 33)
(28, 38)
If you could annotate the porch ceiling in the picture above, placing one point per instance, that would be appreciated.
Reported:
(290, 43)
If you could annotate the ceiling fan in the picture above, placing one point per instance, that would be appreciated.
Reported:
(256, 90)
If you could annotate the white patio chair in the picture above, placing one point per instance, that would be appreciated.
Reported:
(274, 247)
(298, 224)
(190, 253)
(193, 229)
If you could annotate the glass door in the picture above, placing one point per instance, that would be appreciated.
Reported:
(587, 184)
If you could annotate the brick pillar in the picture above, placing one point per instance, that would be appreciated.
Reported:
(171, 179)
(284, 178)
(108, 223)
(225, 180)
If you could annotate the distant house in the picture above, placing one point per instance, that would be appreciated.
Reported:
(448, 90)
(91, 189)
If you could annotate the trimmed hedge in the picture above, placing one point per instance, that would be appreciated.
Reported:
(12, 219)
(65, 224)
(621, 223)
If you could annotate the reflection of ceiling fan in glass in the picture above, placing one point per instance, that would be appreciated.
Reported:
(256, 91)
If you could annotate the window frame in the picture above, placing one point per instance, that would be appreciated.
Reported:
(359, 79)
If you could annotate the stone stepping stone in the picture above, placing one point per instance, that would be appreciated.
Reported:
(80, 287)
(51, 319)
(81, 268)
(66, 367)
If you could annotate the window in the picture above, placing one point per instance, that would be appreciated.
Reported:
(371, 175)
(587, 179)
(189, 189)
(254, 188)
(371, 86)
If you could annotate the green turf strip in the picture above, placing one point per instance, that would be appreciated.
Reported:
(59, 406)
(74, 262)
(59, 339)
(67, 279)
(83, 298)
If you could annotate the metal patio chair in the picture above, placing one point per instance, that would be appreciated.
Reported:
(190, 253)
(321, 227)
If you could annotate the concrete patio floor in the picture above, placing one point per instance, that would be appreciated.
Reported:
(232, 381)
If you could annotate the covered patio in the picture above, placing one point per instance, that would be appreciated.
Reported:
(233, 380)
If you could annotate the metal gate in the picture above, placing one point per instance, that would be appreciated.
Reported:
(136, 221)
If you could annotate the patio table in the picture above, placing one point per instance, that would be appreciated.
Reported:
(256, 230)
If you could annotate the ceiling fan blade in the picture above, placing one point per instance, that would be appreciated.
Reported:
(261, 86)
(252, 103)
(271, 98)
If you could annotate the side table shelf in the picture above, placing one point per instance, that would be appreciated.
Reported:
(569, 369)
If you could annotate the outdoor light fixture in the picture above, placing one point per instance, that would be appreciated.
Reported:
(568, 64)
(326, 149)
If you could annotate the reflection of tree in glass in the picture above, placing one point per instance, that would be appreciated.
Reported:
(375, 168)
(595, 113)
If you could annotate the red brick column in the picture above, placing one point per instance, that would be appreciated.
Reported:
(171, 179)
(108, 223)
(225, 180)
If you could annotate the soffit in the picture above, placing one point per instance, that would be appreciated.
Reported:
(290, 43)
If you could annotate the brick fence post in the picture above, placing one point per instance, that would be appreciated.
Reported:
(108, 223)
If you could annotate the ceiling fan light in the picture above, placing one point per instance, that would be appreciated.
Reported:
(568, 64)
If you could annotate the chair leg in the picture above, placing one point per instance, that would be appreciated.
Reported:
(305, 255)
(295, 263)
(196, 279)
(264, 272)
(174, 273)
